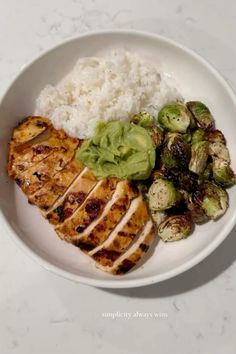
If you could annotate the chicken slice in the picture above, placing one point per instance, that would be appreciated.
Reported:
(24, 157)
(123, 234)
(90, 210)
(29, 128)
(35, 177)
(73, 198)
(135, 253)
(45, 197)
(97, 232)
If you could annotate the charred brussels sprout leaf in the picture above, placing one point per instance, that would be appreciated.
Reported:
(162, 195)
(202, 114)
(156, 135)
(223, 173)
(215, 136)
(199, 155)
(175, 228)
(144, 119)
(174, 118)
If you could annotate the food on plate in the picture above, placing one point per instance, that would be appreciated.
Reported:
(191, 172)
(176, 227)
(174, 117)
(199, 156)
(162, 195)
(112, 87)
(115, 158)
(202, 114)
(106, 216)
(119, 149)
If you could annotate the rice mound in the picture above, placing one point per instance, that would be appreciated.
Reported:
(106, 88)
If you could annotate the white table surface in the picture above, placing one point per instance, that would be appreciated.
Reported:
(41, 313)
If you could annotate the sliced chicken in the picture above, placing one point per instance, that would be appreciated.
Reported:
(97, 232)
(90, 210)
(29, 128)
(25, 156)
(35, 177)
(107, 219)
(123, 234)
(135, 253)
(73, 198)
(45, 197)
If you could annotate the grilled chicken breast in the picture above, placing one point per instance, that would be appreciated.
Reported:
(90, 210)
(25, 155)
(123, 234)
(107, 219)
(97, 232)
(73, 198)
(134, 254)
(46, 196)
(29, 128)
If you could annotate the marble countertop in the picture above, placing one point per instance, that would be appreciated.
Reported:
(42, 313)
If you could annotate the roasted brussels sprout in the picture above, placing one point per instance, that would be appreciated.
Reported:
(198, 135)
(156, 135)
(219, 151)
(223, 173)
(144, 119)
(215, 136)
(195, 210)
(213, 200)
(199, 155)
(158, 217)
(187, 180)
(174, 117)
(162, 195)
(175, 228)
(202, 114)
(168, 161)
(176, 152)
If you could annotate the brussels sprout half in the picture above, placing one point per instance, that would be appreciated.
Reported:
(202, 114)
(223, 173)
(220, 151)
(199, 155)
(214, 200)
(175, 228)
(176, 152)
(174, 117)
(162, 195)
(144, 119)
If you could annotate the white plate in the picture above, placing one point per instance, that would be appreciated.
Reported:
(195, 78)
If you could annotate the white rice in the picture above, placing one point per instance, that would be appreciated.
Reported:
(107, 88)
